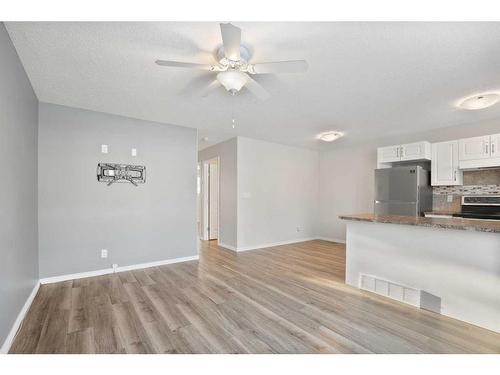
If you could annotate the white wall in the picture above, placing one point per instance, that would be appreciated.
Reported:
(277, 193)
(345, 187)
(347, 178)
(79, 216)
(227, 153)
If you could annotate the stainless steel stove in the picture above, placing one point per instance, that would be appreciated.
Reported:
(486, 207)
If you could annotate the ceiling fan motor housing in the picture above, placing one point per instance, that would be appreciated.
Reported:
(222, 59)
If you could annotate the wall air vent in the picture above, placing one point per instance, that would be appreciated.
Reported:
(412, 296)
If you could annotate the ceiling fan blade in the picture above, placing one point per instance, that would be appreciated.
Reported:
(178, 64)
(231, 38)
(292, 66)
(210, 88)
(256, 89)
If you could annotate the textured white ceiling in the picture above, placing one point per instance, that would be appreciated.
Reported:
(366, 79)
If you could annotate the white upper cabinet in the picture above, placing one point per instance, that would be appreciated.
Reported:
(479, 152)
(444, 165)
(416, 151)
(474, 148)
(495, 146)
(406, 152)
(388, 154)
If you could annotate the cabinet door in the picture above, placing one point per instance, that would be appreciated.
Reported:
(388, 154)
(474, 148)
(495, 146)
(416, 151)
(444, 165)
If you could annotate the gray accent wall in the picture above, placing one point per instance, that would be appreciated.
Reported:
(79, 216)
(18, 197)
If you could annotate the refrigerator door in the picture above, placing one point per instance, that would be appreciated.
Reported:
(396, 208)
(399, 184)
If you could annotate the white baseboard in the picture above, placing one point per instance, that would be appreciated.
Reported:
(156, 264)
(263, 246)
(105, 271)
(229, 247)
(280, 243)
(19, 320)
(330, 239)
(81, 275)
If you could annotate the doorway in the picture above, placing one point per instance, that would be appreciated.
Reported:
(209, 199)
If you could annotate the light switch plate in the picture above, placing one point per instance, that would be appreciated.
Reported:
(104, 149)
(134, 152)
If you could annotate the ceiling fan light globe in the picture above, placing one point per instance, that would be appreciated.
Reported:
(232, 80)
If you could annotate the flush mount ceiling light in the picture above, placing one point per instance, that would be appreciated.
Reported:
(330, 136)
(479, 101)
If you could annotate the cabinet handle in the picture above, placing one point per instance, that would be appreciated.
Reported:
(397, 152)
(455, 175)
(486, 149)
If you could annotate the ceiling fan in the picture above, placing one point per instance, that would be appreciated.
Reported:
(233, 69)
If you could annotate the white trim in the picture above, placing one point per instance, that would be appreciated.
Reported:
(19, 320)
(229, 247)
(72, 276)
(273, 244)
(330, 239)
(155, 264)
(105, 271)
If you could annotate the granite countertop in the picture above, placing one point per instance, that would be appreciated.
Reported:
(445, 223)
(441, 213)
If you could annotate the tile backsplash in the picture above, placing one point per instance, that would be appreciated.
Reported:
(480, 182)
(466, 189)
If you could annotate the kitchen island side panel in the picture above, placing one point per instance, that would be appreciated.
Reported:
(461, 267)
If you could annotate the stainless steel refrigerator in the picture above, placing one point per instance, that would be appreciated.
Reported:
(403, 190)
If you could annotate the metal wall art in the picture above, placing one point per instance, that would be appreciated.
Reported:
(111, 173)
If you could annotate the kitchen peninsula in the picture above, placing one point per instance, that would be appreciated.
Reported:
(447, 265)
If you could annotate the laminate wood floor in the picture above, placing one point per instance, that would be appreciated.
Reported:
(286, 299)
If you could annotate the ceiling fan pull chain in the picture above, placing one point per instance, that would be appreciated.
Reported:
(232, 111)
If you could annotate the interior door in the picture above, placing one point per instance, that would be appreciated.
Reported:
(214, 201)
(474, 148)
(205, 201)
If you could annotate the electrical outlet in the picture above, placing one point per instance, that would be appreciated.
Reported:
(134, 152)
(449, 198)
(104, 253)
(104, 149)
